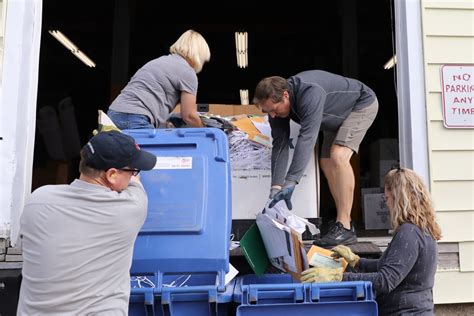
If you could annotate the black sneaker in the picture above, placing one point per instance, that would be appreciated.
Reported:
(337, 235)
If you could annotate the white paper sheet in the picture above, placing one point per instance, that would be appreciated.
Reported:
(104, 119)
(276, 225)
(281, 213)
(264, 128)
(274, 236)
(231, 274)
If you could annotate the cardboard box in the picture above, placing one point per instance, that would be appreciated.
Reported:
(379, 171)
(250, 189)
(365, 191)
(298, 252)
(229, 109)
(384, 155)
(376, 212)
(384, 149)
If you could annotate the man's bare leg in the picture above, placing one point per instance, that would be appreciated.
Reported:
(341, 182)
(327, 167)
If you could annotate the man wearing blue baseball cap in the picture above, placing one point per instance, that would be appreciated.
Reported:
(78, 239)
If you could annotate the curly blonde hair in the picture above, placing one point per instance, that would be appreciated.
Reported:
(192, 47)
(412, 201)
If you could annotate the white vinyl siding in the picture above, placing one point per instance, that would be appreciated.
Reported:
(456, 168)
(453, 287)
(457, 226)
(466, 260)
(453, 196)
(448, 38)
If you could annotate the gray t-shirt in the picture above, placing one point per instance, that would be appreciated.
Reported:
(403, 277)
(319, 100)
(77, 248)
(156, 88)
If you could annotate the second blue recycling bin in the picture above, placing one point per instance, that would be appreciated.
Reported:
(280, 294)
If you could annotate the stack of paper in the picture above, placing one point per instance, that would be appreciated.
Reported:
(248, 126)
(281, 232)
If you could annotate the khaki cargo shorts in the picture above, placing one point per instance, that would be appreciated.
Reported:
(352, 130)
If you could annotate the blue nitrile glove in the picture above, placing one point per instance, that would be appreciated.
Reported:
(284, 194)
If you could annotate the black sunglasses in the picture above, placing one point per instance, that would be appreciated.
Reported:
(134, 172)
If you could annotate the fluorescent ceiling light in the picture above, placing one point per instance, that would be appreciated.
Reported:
(244, 96)
(241, 42)
(83, 57)
(390, 63)
(71, 47)
(63, 40)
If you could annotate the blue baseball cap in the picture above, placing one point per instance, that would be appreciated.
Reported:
(114, 149)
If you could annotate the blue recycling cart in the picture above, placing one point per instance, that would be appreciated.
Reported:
(181, 254)
(280, 294)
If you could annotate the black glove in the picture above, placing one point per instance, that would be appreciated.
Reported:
(284, 194)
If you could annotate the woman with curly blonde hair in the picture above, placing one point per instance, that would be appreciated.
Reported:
(410, 201)
(403, 277)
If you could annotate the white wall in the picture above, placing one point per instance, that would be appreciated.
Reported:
(18, 92)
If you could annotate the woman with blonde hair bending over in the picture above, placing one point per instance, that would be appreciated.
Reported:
(403, 277)
(157, 88)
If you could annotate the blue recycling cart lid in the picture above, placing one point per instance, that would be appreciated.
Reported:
(189, 218)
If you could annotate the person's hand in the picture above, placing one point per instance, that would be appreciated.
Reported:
(105, 128)
(274, 190)
(319, 274)
(345, 252)
(284, 194)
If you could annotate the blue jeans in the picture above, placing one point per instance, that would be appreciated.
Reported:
(129, 120)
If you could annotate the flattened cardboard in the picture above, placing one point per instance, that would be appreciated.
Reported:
(297, 256)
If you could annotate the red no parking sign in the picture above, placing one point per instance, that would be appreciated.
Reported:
(458, 95)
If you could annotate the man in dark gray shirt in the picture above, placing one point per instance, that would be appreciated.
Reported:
(344, 109)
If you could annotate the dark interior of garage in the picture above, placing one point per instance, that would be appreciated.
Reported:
(351, 38)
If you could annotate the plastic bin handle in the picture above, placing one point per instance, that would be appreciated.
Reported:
(253, 292)
(210, 291)
(150, 133)
(356, 287)
(206, 132)
(148, 294)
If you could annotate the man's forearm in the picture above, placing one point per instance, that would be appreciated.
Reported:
(279, 163)
(301, 156)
